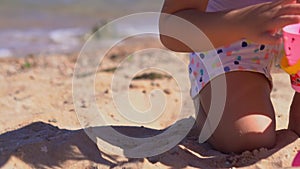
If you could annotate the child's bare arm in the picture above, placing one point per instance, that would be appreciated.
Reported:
(258, 23)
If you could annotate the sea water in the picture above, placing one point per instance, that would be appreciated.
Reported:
(42, 27)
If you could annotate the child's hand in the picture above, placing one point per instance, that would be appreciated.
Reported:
(261, 22)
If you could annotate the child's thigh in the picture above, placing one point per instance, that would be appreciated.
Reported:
(248, 120)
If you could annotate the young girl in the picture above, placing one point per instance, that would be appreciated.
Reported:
(244, 35)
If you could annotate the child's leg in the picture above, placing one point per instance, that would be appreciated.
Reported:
(248, 121)
(294, 122)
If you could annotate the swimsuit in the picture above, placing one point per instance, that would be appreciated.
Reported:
(242, 55)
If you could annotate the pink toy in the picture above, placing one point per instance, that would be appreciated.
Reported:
(296, 161)
(291, 34)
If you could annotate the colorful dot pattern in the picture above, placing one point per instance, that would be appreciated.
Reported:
(240, 56)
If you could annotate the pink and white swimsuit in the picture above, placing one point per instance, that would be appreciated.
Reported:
(242, 55)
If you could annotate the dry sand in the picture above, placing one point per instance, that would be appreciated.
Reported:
(40, 129)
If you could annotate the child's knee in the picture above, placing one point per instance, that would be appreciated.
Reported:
(247, 141)
(251, 141)
(250, 133)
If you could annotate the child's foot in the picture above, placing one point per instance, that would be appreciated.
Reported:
(293, 126)
(294, 122)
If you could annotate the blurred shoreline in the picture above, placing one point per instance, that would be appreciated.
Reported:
(48, 27)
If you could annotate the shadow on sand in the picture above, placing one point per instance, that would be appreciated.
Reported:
(42, 145)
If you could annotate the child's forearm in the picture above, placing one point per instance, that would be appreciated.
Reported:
(219, 27)
(258, 23)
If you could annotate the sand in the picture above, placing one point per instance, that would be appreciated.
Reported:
(39, 127)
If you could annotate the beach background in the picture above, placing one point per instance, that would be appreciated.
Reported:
(40, 42)
(45, 27)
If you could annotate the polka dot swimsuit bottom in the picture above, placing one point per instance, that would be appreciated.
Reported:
(240, 56)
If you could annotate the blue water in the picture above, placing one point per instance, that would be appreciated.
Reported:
(42, 27)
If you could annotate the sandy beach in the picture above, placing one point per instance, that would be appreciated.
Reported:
(40, 128)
